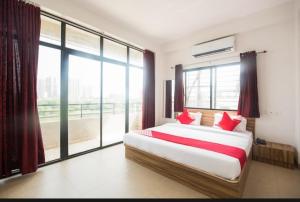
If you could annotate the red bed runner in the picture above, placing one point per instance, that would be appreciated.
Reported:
(235, 152)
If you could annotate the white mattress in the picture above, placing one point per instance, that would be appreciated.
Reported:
(199, 159)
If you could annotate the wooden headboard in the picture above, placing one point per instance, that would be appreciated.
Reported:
(208, 118)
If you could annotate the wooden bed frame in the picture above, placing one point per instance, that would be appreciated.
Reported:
(201, 181)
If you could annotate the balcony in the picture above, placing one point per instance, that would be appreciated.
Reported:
(84, 126)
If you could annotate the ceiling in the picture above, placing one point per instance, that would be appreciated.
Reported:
(167, 20)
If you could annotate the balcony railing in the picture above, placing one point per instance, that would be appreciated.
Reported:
(52, 111)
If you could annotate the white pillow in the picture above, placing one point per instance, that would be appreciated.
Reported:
(197, 116)
(242, 127)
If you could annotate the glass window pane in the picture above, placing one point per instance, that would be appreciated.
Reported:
(81, 40)
(136, 58)
(227, 88)
(48, 92)
(135, 98)
(198, 89)
(84, 104)
(114, 92)
(50, 31)
(113, 50)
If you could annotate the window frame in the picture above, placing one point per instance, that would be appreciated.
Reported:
(65, 53)
(211, 68)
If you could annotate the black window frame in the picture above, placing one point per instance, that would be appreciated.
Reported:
(211, 68)
(65, 53)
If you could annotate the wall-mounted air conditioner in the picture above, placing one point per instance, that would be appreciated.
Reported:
(216, 46)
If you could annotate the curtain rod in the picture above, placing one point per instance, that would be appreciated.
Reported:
(260, 52)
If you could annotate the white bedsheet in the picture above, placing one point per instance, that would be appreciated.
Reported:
(203, 160)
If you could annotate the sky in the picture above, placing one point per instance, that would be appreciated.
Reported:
(86, 72)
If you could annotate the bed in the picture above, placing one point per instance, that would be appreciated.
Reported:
(214, 174)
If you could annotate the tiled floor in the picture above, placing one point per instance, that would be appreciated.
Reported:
(107, 174)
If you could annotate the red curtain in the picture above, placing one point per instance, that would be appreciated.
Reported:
(179, 89)
(149, 90)
(21, 144)
(248, 102)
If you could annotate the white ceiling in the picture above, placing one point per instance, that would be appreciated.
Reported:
(167, 20)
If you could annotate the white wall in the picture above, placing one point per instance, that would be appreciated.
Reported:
(75, 13)
(297, 75)
(273, 30)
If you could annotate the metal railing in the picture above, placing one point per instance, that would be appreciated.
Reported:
(47, 111)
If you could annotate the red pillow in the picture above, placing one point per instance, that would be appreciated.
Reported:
(227, 123)
(185, 118)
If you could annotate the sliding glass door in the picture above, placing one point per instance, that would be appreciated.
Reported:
(135, 98)
(136, 79)
(83, 104)
(114, 103)
(89, 89)
(48, 93)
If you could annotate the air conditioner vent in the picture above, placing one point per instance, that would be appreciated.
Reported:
(216, 46)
